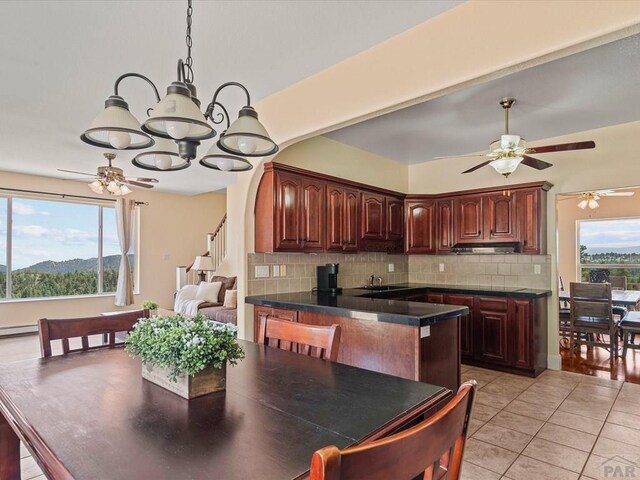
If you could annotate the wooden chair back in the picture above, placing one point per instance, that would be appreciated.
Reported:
(68, 328)
(618, 282)
(591, 300)
(312, 340)
(430, 450)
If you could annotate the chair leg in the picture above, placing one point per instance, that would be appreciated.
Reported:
(625, 345)
(572, 340)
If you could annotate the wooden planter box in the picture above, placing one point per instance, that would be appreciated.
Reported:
(202, 383)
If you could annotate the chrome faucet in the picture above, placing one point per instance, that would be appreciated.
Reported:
(373, 279)
(379, 280)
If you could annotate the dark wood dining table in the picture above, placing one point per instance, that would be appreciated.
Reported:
(625, 298)
(92, 416)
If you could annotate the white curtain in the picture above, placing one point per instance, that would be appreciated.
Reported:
(125, 219)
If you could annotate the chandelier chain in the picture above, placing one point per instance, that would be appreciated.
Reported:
(188, 64)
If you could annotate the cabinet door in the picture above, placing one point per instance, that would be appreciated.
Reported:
(395, 218)
(419, 236)
(435, 297)
(313, 215)
(335, 218)
(444, 225)
(491, 326)
(351, 224)
(468, 219)
(466, 322)
(288, 212)
(521, 330)
(373, 216)
(528, 214)
(500, 217)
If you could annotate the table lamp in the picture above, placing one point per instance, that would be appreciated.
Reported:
(203, 264)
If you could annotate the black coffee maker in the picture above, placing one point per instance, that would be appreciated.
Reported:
(328, 279)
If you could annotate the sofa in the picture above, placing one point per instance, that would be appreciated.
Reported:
(217, 311)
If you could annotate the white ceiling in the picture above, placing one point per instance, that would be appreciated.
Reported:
(59, 60)
(588, 90)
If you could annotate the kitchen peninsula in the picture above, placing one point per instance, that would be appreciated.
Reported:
(424, 331)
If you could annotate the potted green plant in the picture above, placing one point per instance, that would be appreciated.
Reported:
(187, 356)
(151, 306)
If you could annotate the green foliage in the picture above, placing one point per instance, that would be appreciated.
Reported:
(29, 284)
(618, 264)
(180, 343)
(150, 304)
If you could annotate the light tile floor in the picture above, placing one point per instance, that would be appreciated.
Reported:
(558, 426)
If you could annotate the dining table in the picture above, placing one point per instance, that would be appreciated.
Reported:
(91, 415)
(625, 298)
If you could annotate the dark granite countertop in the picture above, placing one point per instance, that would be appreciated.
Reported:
(365, 304)
(363, 308)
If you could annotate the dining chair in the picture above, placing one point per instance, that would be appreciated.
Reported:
(618, 282)
(65, 329)
(312, 340)
(599, 275)
(431, 450)
(591, 315)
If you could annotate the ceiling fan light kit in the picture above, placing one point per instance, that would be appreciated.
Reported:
(177, 118)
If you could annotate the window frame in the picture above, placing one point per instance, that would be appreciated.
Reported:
(100, 267)
(580, 266)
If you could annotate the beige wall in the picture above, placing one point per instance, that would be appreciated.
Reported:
(172, 232)
(568, 216)
(324, 155)
(388, 77)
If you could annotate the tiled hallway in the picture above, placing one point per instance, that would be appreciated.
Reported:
(558, 426)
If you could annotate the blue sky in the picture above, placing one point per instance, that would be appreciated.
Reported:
(618, 233)
(49, 230)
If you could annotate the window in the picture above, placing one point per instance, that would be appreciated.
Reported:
(610, 244)
(57, 248)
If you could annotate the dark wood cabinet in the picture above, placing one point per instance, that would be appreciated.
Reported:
(420, 234)
(530, 205)
(395, 219)
(522, 331)
(468, 219)
(500, 217)
(281, 313)
(444, 225)
(288, 212)
(373, 216)
(313, 215)
(491, 319)
(466, 321)
(342, 219)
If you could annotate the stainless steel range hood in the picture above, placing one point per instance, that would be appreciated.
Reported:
(486, 248)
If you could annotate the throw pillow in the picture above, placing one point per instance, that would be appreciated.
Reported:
(228, 283)
(208, 292)
(231, 299)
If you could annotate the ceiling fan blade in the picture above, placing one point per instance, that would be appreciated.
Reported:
(535, 163)
(480, 165)
(143, 179)
(460, 156)
(79, 173)
(615, 194)
(563, 147)
(137, 184)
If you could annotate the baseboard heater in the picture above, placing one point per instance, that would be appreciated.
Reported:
(18, 330)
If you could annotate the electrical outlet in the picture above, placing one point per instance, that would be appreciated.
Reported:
(392, 268)
(442, 267)
(283, 270)
(536, 269)
(276, 271)
(262, 271)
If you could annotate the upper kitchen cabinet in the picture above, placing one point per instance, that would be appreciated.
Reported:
(500, 217)
(421, 227)
(301, 211)
(468, 219)
(444, 225)
(531, 207)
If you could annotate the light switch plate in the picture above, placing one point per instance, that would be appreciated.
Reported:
(276, 270)
(392, 268)
(536, 269)
(425, 331)
(442, 267)
(283, 270)
(262, 271)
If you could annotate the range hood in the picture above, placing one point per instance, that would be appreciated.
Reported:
(486, 248)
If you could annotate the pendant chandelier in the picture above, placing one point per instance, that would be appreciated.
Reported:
(175, 127)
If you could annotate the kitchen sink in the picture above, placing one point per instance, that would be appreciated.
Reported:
(382, 287)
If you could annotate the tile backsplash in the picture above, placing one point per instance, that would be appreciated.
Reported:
(355, 270)
(530, 271)
(300, 275)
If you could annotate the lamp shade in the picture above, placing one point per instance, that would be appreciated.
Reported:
(203, 263)
(219, 160)
(177, 117)
(116, 127)
(506, 165)
(162, 157)
(247, 136)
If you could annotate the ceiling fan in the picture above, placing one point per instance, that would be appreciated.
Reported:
(509, 151)
(590, 199)
(112, 179)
